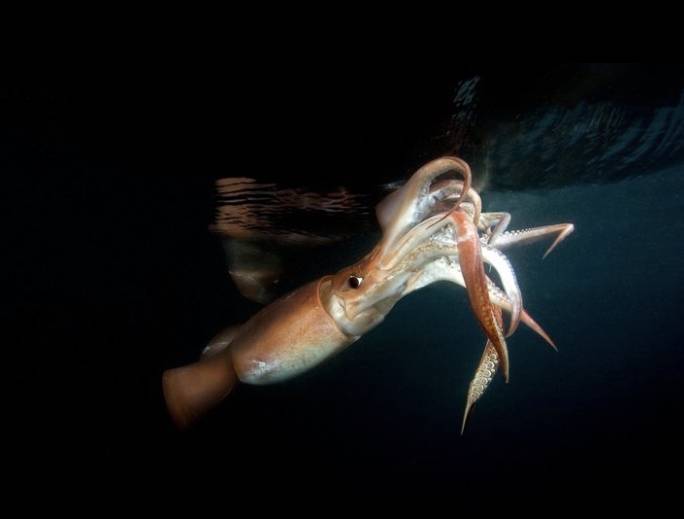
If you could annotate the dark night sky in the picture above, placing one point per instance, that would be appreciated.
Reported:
(113, 277)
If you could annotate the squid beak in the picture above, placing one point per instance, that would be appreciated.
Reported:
(470, 258)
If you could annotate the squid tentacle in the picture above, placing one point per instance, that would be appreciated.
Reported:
(406, 207)
(501, 300)
(526, 236)
(500, 262)
(491, 256)
(415, 237)
(444, 269)
(484, 374)
(461, 255)
(499, 221)
(445, 190)
(470, 259)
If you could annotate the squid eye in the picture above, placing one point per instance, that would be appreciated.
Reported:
(355, 281)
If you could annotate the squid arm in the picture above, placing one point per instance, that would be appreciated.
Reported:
(483, 374)
(470, 260)
(527, 236)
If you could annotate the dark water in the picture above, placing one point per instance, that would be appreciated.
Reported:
(114, 277)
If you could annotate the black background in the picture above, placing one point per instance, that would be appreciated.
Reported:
(113, 277)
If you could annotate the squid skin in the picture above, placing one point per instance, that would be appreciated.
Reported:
(503, 267)
(527, 236)
(470, 257)
(289, 336)
(431, 231)
(484, 374)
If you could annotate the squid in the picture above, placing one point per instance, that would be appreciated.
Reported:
(433, 229)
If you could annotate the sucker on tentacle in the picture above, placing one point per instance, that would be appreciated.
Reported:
(500, 262)
(527, 236)
(486, 369)
(470, 259)
(425, 252)
(494, 224)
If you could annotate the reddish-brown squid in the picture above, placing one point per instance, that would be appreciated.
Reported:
(433, 229)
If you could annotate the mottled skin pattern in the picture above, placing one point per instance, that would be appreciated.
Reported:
(433, 230)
